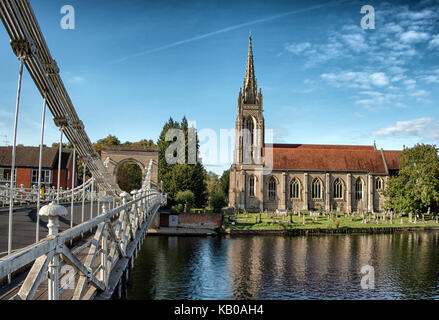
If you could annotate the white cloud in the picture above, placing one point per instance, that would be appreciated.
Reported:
(434, 42)
(401, 105)
(356, 79)
(425, 128)
(420, 15)
(298, 48)
(418, 93)
(409, 83)
(414, 36)
(379, 79)
(355, 41)
(430, 79)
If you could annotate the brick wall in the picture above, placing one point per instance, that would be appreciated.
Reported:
(63, 179)
(200, 220)
(23, 177)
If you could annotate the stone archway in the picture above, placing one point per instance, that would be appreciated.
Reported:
(118, 155)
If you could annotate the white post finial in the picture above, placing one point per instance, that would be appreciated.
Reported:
(53, 211)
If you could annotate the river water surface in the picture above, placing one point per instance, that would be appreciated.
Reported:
(406, 266)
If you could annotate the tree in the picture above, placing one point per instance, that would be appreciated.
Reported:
(162, 144)
(110, 140)
(416, 187)
(180, 177)
(141, 143)
(67, 145)
(186, 199)
(129, 176)
(217, 202)
(212, 183)
(224, 182)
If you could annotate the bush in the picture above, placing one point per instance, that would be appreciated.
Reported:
(186, 199)
(177, 208)
(337, 223)
(217, 201)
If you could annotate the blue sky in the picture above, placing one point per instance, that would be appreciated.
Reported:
(130, 65)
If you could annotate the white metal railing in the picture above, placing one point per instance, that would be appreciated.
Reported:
(30, 195)
(113, 232)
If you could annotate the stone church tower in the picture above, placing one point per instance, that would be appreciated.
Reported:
(249, 133)
(301, 177)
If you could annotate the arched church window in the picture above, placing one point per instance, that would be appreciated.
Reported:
(359, 189)
(250, 127)
(316, 189)
(338, 189)
(252, 186)
(272, 189)
(295, 189)
(379, 183)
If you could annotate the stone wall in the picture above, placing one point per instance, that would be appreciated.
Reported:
(194, 220)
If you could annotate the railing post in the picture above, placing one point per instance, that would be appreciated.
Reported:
(123, 218)
(134, 210)
(99, 201)
(83, 193)
(104, 243)
(53, 212)
(91, 199)
(73, 187)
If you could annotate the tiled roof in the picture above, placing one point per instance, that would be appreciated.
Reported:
(322, 146)
(29, 157)
(392, 159)
(332, 158)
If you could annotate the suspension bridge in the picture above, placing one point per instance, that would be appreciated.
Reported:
(92, 256)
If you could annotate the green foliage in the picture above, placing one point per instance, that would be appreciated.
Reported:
(110, 140)
(180, 177)
(416, 187)
(217, 201)
(224, 182)
(67, 145)
(178, 208)
(212, 183)
(129, 176)
(186, 199)
(141, 143)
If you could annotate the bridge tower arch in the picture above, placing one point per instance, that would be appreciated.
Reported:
(115, 156)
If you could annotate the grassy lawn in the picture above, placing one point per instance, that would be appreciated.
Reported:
(248, 222)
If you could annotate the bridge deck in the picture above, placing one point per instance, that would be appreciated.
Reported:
(80, 248)
(42, 292)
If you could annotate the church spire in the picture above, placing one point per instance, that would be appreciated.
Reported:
(250, 84)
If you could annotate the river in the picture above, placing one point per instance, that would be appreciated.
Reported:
(406, 266)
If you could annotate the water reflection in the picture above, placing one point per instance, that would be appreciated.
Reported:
(275, 267)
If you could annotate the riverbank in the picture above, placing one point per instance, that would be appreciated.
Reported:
(169, 231)
(304, 224)
(321, 231)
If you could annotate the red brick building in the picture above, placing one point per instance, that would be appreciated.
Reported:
(27, 162)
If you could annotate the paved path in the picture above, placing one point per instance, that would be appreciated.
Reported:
(24, 225)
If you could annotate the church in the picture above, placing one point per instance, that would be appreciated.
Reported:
(301, 177)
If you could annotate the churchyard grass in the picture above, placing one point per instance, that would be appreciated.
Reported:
(250, 221)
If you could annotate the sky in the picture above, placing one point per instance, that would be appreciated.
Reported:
(130, 65)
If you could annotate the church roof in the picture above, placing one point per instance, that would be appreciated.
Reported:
(332, 158)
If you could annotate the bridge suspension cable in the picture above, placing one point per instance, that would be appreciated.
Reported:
(29, 45)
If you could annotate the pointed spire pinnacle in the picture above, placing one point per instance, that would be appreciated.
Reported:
(250, 87)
